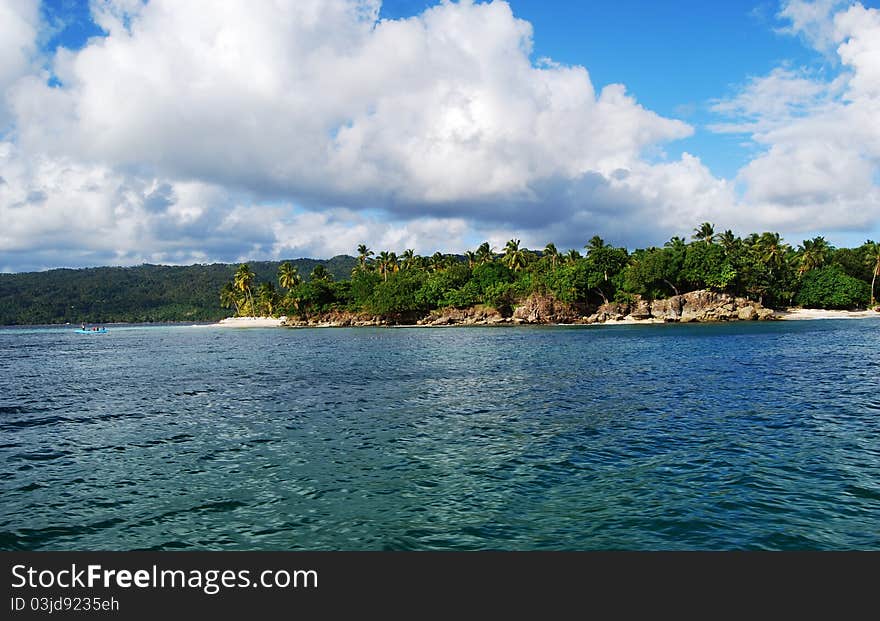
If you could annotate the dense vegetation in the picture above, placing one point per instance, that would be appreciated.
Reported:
(761, 267)
(130, 294)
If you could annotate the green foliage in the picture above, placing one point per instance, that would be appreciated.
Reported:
(761, 266)
(438, 284)
(397, 295)
(654, 273)
(363, 284)
(468, 295)
(487, 275)
(500, 295)
(706, 266)
(852, 262)
(144, 293)
(831, 287)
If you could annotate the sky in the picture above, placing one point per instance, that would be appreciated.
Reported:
(201, 131)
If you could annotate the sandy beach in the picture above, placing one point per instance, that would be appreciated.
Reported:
(818, 313)
(251, 322)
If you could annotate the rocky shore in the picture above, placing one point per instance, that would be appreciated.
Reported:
(697, 306)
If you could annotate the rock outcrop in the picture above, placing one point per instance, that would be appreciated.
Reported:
(696, 306)
(546, 309)
(475, 315)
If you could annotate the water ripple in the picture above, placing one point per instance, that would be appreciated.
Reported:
(741, 436)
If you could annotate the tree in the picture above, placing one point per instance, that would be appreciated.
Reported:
(243, 279)
(771, 250)
(514, 256)
(408, 259)
(288, 275)
(729, 242)
(872, 258)
(268, 298)
(603, 264)
(320, 273)
(653, 273)
(595, 243)
(229, 297)
(813, 254)
(705, 233)
(484, 253)
(552, 254)
(572, 256)
(364, 255)
(830, 287)
(471, 258)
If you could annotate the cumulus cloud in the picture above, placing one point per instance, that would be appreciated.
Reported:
(19, 20)
(820, 140)
(440, 121)
(204, 131)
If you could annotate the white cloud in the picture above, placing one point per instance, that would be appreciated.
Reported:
(319, 101)
(18, 34)
(820, 138)
(223, 131)
(813, 20)
(441, 121)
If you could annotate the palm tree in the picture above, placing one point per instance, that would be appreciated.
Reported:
(728, 241)
(229, 297)
(595, 243)
(813, 254)
(676, 243)
(514, 256)
(484, 253)
(438, 262)
(268, 298)
(551, 253)
(408, 258)
(364, 255)
(471, 258)
(288, 275)
(319, 273)
(243, 279)
(705, 232)
(572, 255)
(873, 259)
(383, 264)
(771, 251)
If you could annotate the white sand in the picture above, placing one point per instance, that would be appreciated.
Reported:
(818, 313)
(251, 322)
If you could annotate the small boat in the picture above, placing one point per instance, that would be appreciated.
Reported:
(95, 331)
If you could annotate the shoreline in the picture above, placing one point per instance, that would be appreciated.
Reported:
(251, 322)
(806, 314)
(788, 314)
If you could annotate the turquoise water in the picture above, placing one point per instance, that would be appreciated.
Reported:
(740, 436)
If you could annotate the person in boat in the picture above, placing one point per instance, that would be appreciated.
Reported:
(83, 327)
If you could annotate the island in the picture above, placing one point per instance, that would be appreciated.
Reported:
(712, 277)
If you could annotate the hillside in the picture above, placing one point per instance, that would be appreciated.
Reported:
(133, 294)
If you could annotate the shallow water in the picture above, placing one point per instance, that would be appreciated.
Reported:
(739, 436)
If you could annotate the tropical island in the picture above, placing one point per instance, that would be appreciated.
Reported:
(712, 277)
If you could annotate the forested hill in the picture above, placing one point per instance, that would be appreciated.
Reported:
(134, 294)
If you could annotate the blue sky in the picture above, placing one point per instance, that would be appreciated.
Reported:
(255, 130)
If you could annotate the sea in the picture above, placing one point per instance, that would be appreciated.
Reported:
(739, 436)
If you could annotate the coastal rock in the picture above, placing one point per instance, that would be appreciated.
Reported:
(545, 309)
(668, 309)
(747, 313)
(474, 315)
(640, 309)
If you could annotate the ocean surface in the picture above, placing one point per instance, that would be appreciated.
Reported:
(656, 437)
